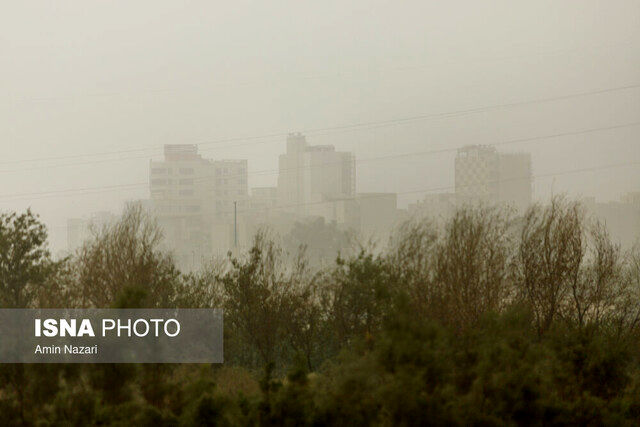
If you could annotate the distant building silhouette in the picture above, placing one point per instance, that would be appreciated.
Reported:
(484, 175)
(193, 199)
(622, 218)
(311, 176)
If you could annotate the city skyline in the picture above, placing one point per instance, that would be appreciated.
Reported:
(82, 114)
(205, 207)
(358, 212)
(418, 194)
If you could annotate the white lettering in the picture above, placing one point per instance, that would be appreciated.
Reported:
(166, 330)
(50, 327)
(135, 328)
(106, 328)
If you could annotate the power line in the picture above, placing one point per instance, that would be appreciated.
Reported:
(449, 150)
(590, 169)
(431, 189)
(434, 151)
(346, 127)
(452, 187)
(631, 124)
(54, 193)
(481, 109)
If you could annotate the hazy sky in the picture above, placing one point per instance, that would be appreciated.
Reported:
(81, 78)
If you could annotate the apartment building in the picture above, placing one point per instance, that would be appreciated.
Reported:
(193, 200)
(484, 175)
(310, 175)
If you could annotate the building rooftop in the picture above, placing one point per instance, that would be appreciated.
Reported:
(181, 152)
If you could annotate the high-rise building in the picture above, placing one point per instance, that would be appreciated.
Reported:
(181, 184)
(621, 218)
(312, 174)
(230, 187)
(193, 197)
(484, 175)
(477, 174)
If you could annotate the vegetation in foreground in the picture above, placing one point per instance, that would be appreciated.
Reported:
(489, 320)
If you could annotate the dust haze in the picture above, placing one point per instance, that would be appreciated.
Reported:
(348, 113)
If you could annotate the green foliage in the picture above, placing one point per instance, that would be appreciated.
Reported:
(489, 320)
(25, 261)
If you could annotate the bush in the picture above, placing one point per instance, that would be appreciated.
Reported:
(489, 320)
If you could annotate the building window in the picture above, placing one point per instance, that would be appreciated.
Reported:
(158, 170)
(186, 171)
(185, 192)
(158, 182)
(186, 181)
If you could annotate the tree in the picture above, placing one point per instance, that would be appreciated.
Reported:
(308, 305)
(552, 246)
(412, 260)
(25, 261)
(360, 290)
(25, 269)
(457, 274)
(123, 266)
(256, 307)
(472, 266)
